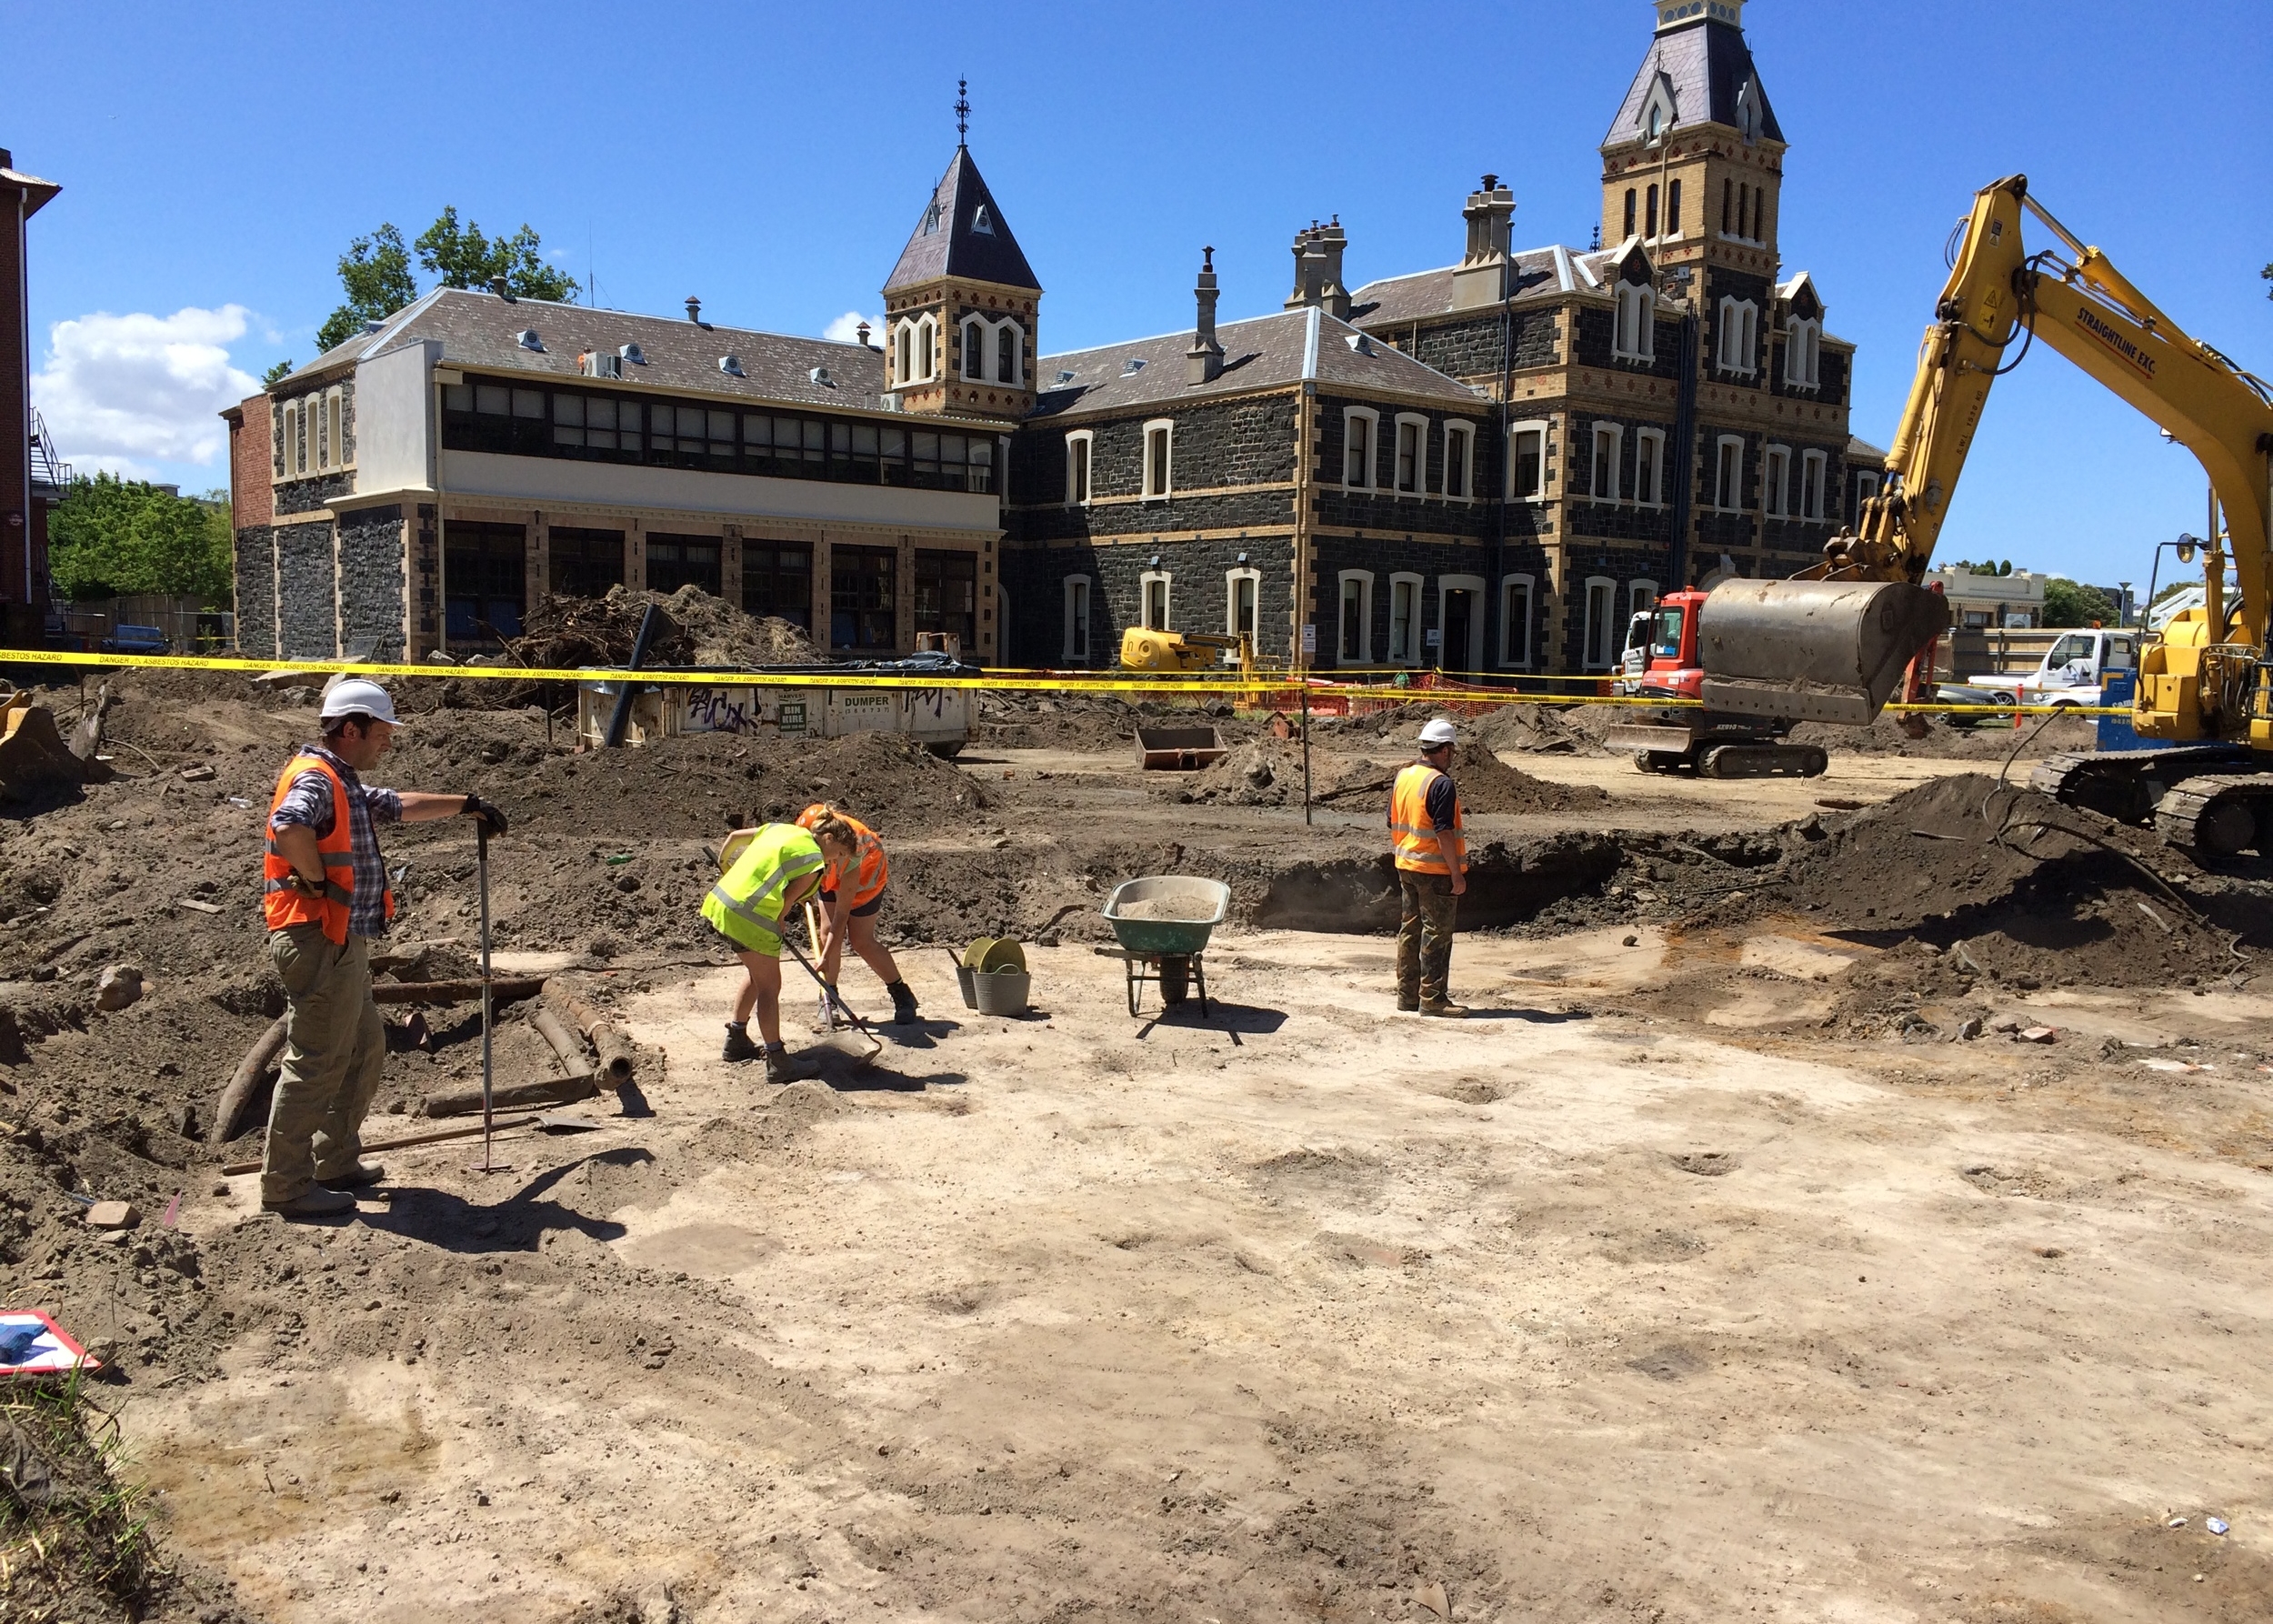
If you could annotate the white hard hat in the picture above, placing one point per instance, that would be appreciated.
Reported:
(357, 696)
(1438, 732)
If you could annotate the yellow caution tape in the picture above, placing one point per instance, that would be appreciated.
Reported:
(990, 679)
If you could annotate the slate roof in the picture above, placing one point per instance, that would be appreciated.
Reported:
(1707, 65)
(1290, 347)
(1555, 269)
(481, 331)
(951, 239)
(1861, 450)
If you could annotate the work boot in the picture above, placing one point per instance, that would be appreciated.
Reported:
(316, 1201)
(903, 1004)
(777, 1067)
(361, 1174)
(738, 1044)
(1444, 1007)
(1407, 1003)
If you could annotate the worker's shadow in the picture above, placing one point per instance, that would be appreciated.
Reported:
(519, 1223)
(852, 1073)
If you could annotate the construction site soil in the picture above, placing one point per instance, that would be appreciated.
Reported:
(255, 1360)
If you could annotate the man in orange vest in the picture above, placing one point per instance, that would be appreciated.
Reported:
(324, 896)
(1432, 861)
(850, 902)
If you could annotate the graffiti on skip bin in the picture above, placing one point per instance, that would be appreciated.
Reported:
(721, 710)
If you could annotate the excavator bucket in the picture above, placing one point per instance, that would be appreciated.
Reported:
(1812, 651)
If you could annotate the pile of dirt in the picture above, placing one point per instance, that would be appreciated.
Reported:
(1487, 784)
(1949, 738)
(696, 628)
(1267, 771)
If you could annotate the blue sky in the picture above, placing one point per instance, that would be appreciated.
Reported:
(772, 160)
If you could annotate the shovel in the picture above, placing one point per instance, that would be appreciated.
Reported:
(829, 998)
(481, 866)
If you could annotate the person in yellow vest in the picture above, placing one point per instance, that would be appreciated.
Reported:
(1432, 862)
(751, 905)
(850, 901)
(324, 896)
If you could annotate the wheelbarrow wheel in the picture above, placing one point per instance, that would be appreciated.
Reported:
(1176, 976)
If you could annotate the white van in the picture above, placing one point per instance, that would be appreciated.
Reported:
(2072, 671)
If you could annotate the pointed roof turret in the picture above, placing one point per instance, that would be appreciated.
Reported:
(1698, 71)
(962, 235)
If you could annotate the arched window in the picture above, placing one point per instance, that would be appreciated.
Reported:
(926, 349)
(1727, 205)
(1635, 337)
(1629, 211)
(974, 350)
(1673, 208)
(1744, 210)
(1803, 349)
(904, 353)
(1649, 227)
(1010, 354)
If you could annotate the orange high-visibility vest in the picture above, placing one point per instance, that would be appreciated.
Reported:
(869, 870)
(281, 903)
(1411, 833)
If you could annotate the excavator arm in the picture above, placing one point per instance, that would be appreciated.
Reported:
(1784, 644)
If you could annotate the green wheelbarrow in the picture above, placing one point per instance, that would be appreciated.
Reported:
(1163, 923)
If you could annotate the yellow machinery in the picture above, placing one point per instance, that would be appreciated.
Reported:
(1831, 642)
(1144, 649)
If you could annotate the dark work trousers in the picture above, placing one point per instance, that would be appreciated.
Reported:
(1424, 936)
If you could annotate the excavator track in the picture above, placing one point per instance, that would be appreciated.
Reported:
(1763, 761)
(2127, 784)
(2218, 815)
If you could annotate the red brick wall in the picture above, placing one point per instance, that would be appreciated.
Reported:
(252, 460)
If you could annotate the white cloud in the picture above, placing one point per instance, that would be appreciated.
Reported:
(120, 392)
(845, 328)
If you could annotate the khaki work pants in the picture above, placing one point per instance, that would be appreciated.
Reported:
(334, 1052)
(1424, 936)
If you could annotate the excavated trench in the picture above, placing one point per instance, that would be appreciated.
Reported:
(1508, 884)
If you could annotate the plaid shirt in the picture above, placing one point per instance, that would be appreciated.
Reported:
(309, 802)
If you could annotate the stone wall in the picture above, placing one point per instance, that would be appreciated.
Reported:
(1469, 346)
(1198, 589)
(255, 586)
(308, 592)
(312, 494)
(370, 578)
(1385, 557)
(1216, 448)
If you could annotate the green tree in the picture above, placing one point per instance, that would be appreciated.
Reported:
(2267, 275)
(2070, 603)
(375, 274)
(462, 256)
(112, 537)
(276, 375)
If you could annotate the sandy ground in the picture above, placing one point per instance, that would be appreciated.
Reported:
(1305, 1311)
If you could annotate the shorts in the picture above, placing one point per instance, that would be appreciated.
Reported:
(772, 951)
(859, 910)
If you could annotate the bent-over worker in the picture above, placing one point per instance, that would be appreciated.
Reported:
(850, 901)
(780, 868)
(323, 897)
(1432, 861)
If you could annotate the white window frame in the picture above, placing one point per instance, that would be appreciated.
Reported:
(1372, 420)
(1650, 492)
(1167, 579)
(1231, 579)
(1166, 481)
(1009, 346)
(1739, 346)
(1776, 482)
(1472, 657)
(1418, 423)
(1085, 589)
(903, 352)
(1634, 329)
(1515, 632)
(926, 349)
(1721, 489)
(1803, 354)
(974, 350)
(1815, 472)
(1461, 430)
(1641, 593)
(1616, 435)
(1079, 493)
(1866, 487)
(335, 423)
(1363, 578)
(1515, 432)
(1606, 590)
(1411, 655)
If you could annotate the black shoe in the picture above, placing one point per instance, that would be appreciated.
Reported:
(904, 1013)
(738, 1044)
(777, 1067)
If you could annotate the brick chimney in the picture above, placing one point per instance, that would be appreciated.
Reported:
(1318, 268)
(1481, 277)
(1203, 363)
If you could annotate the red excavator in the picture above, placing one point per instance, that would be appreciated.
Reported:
(1662, 663)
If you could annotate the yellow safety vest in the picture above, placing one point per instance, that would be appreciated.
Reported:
(1411, 833)
(745, 904)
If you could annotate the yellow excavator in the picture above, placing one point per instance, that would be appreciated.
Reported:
(1830, 644)
(1144, 649)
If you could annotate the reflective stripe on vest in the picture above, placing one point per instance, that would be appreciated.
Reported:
(749, 894)
(1412, 834)
(870, 872)
(283, 904)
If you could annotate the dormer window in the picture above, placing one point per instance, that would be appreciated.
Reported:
(931, 217)
(1132, 366)
(820, 377)
(633, 354)
(529, 340)
(731, 365)
(983, 222)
